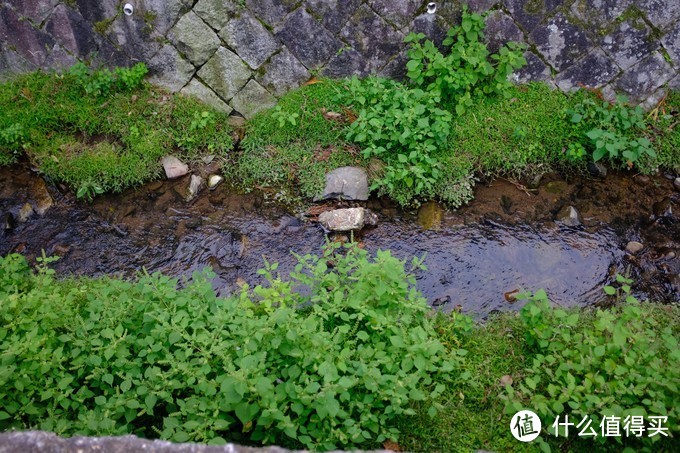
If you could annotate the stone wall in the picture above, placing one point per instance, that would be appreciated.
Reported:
(242, 54)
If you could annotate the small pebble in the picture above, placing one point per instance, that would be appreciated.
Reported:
(634, 247)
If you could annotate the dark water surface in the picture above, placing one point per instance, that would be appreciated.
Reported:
(152, 227)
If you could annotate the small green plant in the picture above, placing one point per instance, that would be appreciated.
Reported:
(200, 121)
(89, 189)
(284, 118)
(615, 130)
(130, 78)
(468, 69)
(101, 82)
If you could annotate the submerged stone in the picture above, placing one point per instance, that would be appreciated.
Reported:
(569, 216)
(634, 247)
(349, 219)
(195, 186)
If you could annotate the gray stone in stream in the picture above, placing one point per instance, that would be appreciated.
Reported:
(346, 183)
(629, 43)
(174, 168)
(398, 12)
(568, 216)
(676, 184)
(201, 92)
(252, 99)
(660, 13)
(195, 186)
(634, 247)
(310, 42)
(671, 42)
(372, 37)
(594, 70)
(194, 38)
(283, 72)
(216, 13)
(535, 70)
(225, 73)
(500, 28)
(560, 42)
(169, 70)
(333, 14)
(349, 219)
(249, 39)
(645, 77)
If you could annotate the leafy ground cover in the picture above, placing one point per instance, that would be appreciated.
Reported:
(353, 361)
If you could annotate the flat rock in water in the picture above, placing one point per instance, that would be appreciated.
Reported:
(174, 168)
(569, 216)
(346, 183)
(633, 247)
(349, 219)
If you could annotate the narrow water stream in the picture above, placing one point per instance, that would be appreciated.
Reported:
(473, 257)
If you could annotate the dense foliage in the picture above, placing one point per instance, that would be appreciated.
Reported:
(329, 368)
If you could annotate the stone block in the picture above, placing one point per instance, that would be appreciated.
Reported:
(253, 98)
(346, 63)
(561, 42)
(433, 26)
(396, 68)
(500, 28)
(660, 13)
(18, 35)
(629, 43)
(283, 72)
(599, 13)
(204, 94)
(225, 73)
(671, 42)
(479, 6)
(160, 15)
(644, 78)
(35, 10)
(13, 63)
(308, 40)
(71, 31)
(528, 14)
(333, 14)
(108, 55)
(59, 59)
(97, 11)
(398, 12)
(194, 38)
(372, 37)
(169, 70)
(534, 71)
(133, 36)
(594, 70)
(271, 11)
(249, 39)
(215, 13)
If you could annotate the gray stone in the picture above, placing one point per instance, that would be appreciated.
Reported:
(396, 68)
(674, 83)
(500, 28)
(253, 98)
(25, 213)
(346, 183)
(671, 42)
(560, 42)
(372, 37)
(71, 31)
(645, 77)
(346, 63)
(594, 70)
(159, 15)
(201, 92)
(398, 12)
(249, 39)
(96, 11)
(333, 14)
(528, 14)
(214, 181)
(35, 10)
(599, 13)
(349, 219)
(534, 71)
(569, 216)
(132, 35)
(597, 169)
(216, 13)
(59, 59)
(479, 6)
(283, 72)
(311, 43)
(660, 12)
(634, 247)
(194, 38)
(676, 184)
(629, 43)
(196, 184)
(13, 63)
(271, 11)
(173, 167)
(18, 35)
(433, 26)
(169, 70)
(225, 73)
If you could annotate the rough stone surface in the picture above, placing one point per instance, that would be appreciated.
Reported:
(646, 77)
(169, 70)
(349, 219)
(629, 43)
(500, 28)
(433, 26)
(676, 184)
(249, 39)
(196, 89)
(594, 70)
(311, 43)
(271, 11)
(569, 216)
(334, 14)
(535, 70)
(71, 31)
(19, 35)
(215, 13)
(529, 14)
(253, 98)
(25, 213)
(634, 247)
(599, 13)
(671, 42)
(372, 37)
(225, 73)
(174, 168)
(196, 184)
(346, 183)
(560, 42)
(397, 12)
(34, 10)
(347, 62)
(660, 12)
(283, 72)
(194, 38)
